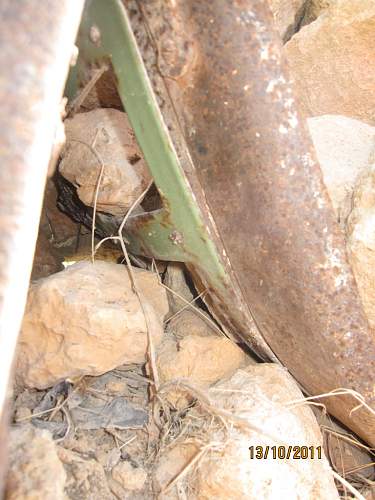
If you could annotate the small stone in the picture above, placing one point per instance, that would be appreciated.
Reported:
(175, 280)
(35, 470)
(87, 320)
(203, 360)
(131, 478)
(106, 134)
(190, 322)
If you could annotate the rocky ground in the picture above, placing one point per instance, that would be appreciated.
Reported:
(125, 386)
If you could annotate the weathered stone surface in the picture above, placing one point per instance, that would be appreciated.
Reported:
(130, 478)
(176, 281)
(87, 320)
(345, 149)
(260, 395)
(189, 322)
(35, 470)
(125, 173)
(201, 359)
(85, 477)
(331, 61)
(170, 464)
(287, 15)
(361, 241)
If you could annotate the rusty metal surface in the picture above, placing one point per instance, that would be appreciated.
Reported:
(226, 76)
(36, 47)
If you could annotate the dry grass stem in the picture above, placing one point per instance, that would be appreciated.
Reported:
(186, 306)
(190, 464)
(336, 392)
(348, 486)
(144, 306)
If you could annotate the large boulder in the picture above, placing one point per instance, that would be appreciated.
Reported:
(258, 411)
(104, 137)
(331, 61)
(87, 320)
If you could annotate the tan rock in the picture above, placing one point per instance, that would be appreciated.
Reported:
(125, 173)
(260, 395)
(331, 61)
(176, 281)
(361, 241)
(345, 149)
(170, 464)
(287, 15)
(35, 470)
(85, 477)
(87, 320)
(131, 478)
(203, 360)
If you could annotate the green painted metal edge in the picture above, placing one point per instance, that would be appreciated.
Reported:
(178, 233)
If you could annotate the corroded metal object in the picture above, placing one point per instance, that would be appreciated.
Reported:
(244, 202)
(225, 74)
(36, 47)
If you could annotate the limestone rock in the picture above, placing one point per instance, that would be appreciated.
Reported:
(361, 241)
(125, 173)
(331, 61)
(35, 470)
(203, 360)
(260, 395)
(87, 320)
(130, 478)
(176, 281)
(345, 149)
(85, 477)
(287, 15)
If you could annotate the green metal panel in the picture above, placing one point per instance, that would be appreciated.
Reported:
(178, 233)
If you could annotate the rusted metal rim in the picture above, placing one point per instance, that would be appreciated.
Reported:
(225, 74)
